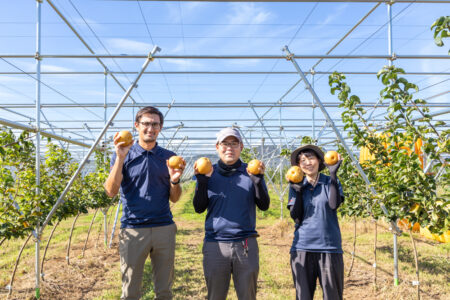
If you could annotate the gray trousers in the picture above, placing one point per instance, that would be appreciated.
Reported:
(308, 266)
(221, 259)
(135, 245)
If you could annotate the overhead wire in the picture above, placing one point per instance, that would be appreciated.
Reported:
(184, 50)
(277, 61)
(49, 87)
(153, 43)
(104, 47)
(354, 49)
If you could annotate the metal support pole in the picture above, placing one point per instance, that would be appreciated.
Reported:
(116, 111)
(262, 148)
(174, 134)
(279, 100)
(290, 57)
(38, 146)
(179, 145)
(105, 101)
(313, 110)
(260, 121)
(251, 150)
(85, 125)
(395, 248)
(281, 171)
(115, 222)
(105, 225)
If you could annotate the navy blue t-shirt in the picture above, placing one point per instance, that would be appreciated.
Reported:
(145, 188)
(319, 230)
(231, 212)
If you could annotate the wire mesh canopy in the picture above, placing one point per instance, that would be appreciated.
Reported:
(220, 65)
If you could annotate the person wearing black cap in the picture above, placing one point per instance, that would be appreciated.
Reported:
(316, 250)
(230, 193)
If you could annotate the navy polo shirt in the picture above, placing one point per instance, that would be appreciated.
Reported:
(231, 212)
(319, 231)
(145, 188)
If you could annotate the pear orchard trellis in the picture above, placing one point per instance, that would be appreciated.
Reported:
(264, 141)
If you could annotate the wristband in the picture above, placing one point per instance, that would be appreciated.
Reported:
(174, 183)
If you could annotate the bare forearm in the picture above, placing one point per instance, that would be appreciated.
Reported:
(112, 184)
(175, 192)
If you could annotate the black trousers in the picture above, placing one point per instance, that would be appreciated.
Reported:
(308, 266)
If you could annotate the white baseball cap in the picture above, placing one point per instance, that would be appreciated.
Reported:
(226, 132)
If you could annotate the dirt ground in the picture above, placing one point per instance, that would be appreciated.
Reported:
(92, 276)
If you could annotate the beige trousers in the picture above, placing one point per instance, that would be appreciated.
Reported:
(135, 245)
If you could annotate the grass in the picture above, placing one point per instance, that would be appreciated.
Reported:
(101, 266)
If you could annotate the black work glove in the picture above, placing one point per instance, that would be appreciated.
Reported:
(334, 168)
(297, 209)
(296, 186)
(202, 179)
(256, 179)
(334, 198)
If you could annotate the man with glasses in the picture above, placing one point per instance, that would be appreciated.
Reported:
(230, 193)
(146, 182)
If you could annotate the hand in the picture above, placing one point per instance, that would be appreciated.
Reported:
(121, 150)
(334, 168)
(261, 169)
(196, 172)
(297, 186)
(175, 174)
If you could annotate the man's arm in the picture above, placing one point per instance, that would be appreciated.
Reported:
(175, 186)
(175, 192)
(112, 184)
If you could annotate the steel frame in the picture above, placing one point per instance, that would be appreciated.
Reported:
(277, 141)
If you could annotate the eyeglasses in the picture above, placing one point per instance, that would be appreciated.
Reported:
(154, 125)
(231, 144)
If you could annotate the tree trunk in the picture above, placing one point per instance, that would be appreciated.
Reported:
(89, 232)
(70, 238)
(98, 234)
(354, 247)
(46, 247)
(375, 256)
(17, 263)
(416, 260)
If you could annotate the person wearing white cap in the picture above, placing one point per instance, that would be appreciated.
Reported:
(230, 193)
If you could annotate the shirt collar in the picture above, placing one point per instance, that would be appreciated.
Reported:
(321, 180)
(138, 148)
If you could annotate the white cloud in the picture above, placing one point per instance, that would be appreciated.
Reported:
(183, 63)
(179, 48)
(16, 79)
(192, 7)
(248, 13)
(53, 68)
(334, 15)
(121, 45)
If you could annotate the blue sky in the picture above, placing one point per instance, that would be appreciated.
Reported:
(210, 28)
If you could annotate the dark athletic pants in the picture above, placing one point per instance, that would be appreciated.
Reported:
(308, 266)
(223, 259)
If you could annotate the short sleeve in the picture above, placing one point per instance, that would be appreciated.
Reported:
(113, 160)
(292, 197)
